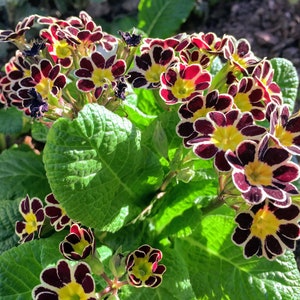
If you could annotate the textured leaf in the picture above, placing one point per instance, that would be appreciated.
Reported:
(98, 169)
(218, 269)
(20, 267)
(39, 131)
(161, 18)
(11, 121)
(286, 76)
(22, 172)
(9, 214)
(134, 114)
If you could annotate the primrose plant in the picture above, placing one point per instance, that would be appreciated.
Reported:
(185, 146)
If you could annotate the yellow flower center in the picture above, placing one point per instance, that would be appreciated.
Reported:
(202, 112)
(285, 137)
(153, 74)
(44, 87)
(241, 100)
(102, 76)
(264, 223)
(27, 73)
(72, 291)
(258, 173)
(80, 246)
(62, 49)
(183, 88)
(239, 60)
(31, 223)
(142, 268)
(227, 138)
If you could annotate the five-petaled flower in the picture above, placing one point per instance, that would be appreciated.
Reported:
(181, 81)
(219, 132)
(142, 267)
(65, 282)
(98, 73)
(32, 211)
(150, 65)
(267, 230)
(263, 171)
(56, 213)
(78, 244)
(285, 127)
(248, 96)
(198, 106)
(17, 36)
(45, 78)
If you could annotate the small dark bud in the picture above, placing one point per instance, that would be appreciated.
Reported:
(132, 40)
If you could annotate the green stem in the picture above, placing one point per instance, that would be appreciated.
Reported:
(3, 144)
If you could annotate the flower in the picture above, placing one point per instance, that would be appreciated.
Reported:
(79, 244)
(285, 128)
(18, 35)
(219, 132)
(45, 78)
(198, 106)
(150, 65)
(267, 230)
(180, 82)
(263, 171)
(33, 213)
(97, 73)
(238, 53)
(58, 46)
(142, 267)
(248, 96)
(209, 42)
(55, 212)
(65, 282)
(263, 74)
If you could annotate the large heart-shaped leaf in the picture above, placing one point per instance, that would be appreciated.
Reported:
(98, 169)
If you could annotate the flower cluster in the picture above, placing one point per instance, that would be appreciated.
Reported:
(34, 214)
(74, 62)
(220, 119)
(68, 281)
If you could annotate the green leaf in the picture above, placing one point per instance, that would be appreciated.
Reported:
(180, 198)
(218, 269)
(9, 214)
(286, 76)
(147, 101)
(167, 121)
(134, 114)
(22, 172)
(20, 267)
(98, 169)
(11, 121)
(162, 18)
(39, 131)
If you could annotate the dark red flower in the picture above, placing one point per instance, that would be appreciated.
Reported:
(65, 282)
(78, 244)
(267, 230)
(33, 213)
(143, 269)
(263, 170)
